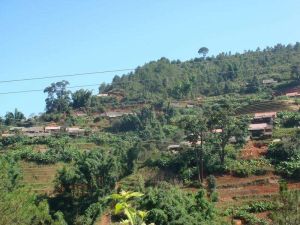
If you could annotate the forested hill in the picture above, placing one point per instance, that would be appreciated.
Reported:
(215, 75)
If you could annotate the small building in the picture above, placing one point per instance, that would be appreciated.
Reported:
(190, 106)
(292, 95)
(75, 131)
(264, 117)
(173, 147)
(7, 135)
(188, 143)
(217, 131)
(33, 130)
(258, 130)
(269, 82)
(103, 95)
(16, 129)
(115, 114)
(52, 129)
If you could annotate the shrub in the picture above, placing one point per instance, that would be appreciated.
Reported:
(214, 196)
(284, 150)
(211, 183)
(290, 169)
(244, 168)
(249, 218)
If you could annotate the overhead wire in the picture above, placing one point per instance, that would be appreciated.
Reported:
(110, 71)
(39, 90)
(65, 75)
(123, 70)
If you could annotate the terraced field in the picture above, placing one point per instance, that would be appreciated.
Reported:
(266, 106)
(39, 177)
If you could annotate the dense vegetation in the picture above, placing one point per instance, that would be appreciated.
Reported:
(185, 126)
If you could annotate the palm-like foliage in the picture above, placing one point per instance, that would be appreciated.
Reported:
(125, 205)
(13, 117)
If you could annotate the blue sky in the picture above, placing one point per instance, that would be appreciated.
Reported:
(53, 37)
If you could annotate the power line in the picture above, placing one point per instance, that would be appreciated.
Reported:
(119, 70)
(38, 90)
(130, 81)
(117, 83)
(65, 75)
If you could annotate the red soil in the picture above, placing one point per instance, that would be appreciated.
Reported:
(253, 150)
(104, 220)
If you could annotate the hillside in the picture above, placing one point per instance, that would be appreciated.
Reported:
(212, 140)
(216, 75)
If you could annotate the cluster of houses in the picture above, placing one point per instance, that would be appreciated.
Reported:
(261, 126)
(54, 129)
(108, 114)
(44, 131)
(291, 93)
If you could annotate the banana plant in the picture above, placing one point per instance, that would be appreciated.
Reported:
(124, 206)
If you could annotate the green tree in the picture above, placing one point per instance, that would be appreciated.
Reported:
(58, 100)
(253, 86)
(224, 126)
(81, 99)
(14, 117)
(203, 51)
(167, 204)
(196, 130)
(295, 71)
(19, 205)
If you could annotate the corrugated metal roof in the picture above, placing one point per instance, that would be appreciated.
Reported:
(74, 129)
(53, 128)
(292, 94)
(258, 126)
(265, 115)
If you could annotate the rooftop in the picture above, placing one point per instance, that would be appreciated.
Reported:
(265, 115)
(258, 126)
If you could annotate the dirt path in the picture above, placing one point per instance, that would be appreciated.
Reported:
(103, 220)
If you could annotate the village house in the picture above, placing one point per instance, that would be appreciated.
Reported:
(16, 129)
(292, 95)
(52, 129)
(173, 147)
(262, 124)
(115, 114)
(258, 130)
(75, 131)
(103, 95)
(7, 135)
(33, 130)
(268, 82)
(264, 117)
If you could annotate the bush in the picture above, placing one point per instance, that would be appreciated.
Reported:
(244, 168)
(214, 196)
(290, 169)
(249, 218)
(289, 119)
(170, 205)
(211, 183)
(284, 150)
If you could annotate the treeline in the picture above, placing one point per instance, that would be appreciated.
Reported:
(215, 75)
